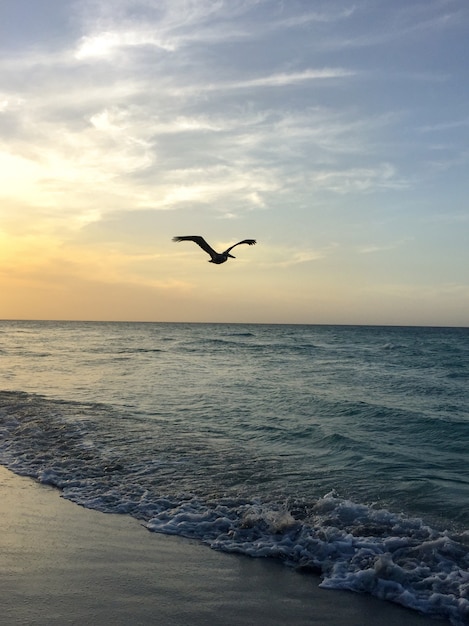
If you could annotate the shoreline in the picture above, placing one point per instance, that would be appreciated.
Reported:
(64, 564)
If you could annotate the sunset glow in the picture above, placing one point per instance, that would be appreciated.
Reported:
(334, 133)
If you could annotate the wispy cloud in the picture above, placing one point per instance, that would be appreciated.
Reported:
(445, 126)
(392, 24)
(174, 25)
(286, 257)
(381, 177)
(284, 79)
(307, 18)
(103, 45)
(180, 23)
(383, 247)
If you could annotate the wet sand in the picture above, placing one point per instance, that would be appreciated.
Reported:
(62, 564)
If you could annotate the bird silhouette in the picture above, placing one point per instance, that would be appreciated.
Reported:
(216, 257)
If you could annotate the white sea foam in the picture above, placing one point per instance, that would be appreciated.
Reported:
(351, 546)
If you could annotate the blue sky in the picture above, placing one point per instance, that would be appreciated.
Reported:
(335, 133)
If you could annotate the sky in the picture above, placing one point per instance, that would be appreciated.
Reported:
(334, 132)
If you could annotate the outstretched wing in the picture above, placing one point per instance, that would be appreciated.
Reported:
(200, 241)
(250, 242)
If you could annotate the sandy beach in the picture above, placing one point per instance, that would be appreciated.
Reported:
(63, 564)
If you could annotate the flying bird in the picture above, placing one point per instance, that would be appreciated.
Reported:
(216, 257)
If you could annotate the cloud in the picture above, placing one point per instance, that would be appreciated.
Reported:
(284, 257)
(407, 22)
(453, 217)
(380, 247)
(435, 293)
(307, 18)
(137, 156)
(103, 45)
(176, 24)
(358, 179)
(445, 126)
(285, 79)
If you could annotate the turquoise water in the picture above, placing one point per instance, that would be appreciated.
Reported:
(337, 449)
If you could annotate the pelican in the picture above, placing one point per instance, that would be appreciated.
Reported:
(216, 257)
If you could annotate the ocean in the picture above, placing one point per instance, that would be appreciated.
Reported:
(338, 450)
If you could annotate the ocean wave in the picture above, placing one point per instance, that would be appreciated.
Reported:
(82, 449)
(351, 546)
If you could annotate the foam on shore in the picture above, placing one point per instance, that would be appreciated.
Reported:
(63, 564)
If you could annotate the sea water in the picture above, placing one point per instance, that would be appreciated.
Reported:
(339, 450)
